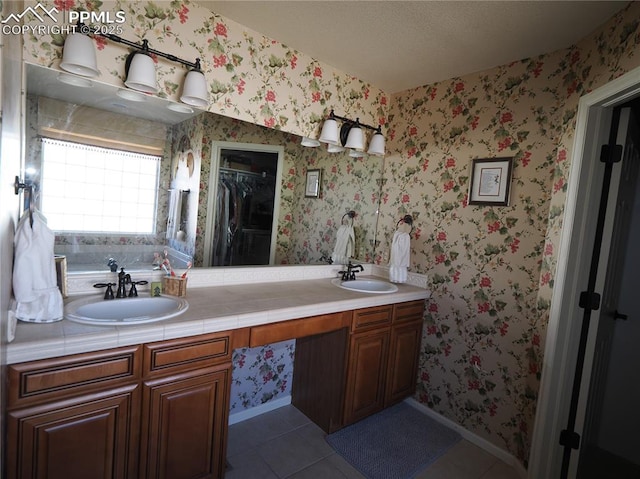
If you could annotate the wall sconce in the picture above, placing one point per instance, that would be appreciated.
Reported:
(350, 136)
(79, 57)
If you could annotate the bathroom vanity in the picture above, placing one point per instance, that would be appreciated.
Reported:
(153, 401)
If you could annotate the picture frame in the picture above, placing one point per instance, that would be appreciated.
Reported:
(490, 181)
(312, 185)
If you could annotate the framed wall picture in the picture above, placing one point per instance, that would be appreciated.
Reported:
(312, 189)
(490, 181)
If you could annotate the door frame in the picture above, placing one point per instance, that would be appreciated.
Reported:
(216, 146)
(574, 252)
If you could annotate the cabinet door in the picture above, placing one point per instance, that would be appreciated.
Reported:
(91, 436)
(403, 362)
(184, 425)
(368, 354)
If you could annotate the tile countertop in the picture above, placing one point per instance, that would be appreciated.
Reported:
(212, 308)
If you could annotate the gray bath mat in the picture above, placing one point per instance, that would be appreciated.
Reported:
(396, 443)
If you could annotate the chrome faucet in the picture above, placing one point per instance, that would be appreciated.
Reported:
(350, 273)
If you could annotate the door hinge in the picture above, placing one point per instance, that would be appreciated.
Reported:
(571, 439)
(611, 153)
(589, 300)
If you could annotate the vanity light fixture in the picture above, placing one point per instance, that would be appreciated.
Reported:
(330, 133)
(194, 89)
(75, 80)
(79, 57)
(377, 143)
(131, 95)
(355, 138)
(335, 148)
(309, 142)
(141, 71)
(350, 136)
(177, 107)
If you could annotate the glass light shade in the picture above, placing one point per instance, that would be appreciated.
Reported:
(75, 80)
(142, 74)
(309, 142)
(376, 145)
(355, 140)
(194, 90)
(330, 133)
(335, 149)
(131, 95)
(180, 108)
(79, 56)
(356, 154)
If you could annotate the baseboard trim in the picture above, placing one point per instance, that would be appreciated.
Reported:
(258, 410)
(471, 437)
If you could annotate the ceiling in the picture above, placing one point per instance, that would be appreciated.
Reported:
(398, 45)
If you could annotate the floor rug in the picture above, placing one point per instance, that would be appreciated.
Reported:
(396, 443)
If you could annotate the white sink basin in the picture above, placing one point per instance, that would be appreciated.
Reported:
(124, 311)
(366, 285)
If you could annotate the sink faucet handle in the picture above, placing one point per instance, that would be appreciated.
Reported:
(133, 292)
(108, 294)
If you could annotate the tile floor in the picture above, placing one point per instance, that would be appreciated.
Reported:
(285, 444)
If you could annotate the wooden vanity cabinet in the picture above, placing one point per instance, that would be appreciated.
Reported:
(383, 358)
(371, 363)
(404, 352)
(75, 417)
(185, 407)
(158, 410)
(366, 374)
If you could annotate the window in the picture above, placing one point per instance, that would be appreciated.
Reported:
(98, 190)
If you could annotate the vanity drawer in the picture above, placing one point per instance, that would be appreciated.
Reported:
(410, 311)
(168, 357)
(57, 378)
(370, 318)
(298, 328)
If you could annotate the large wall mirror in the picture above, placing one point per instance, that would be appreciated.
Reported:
(127, 177)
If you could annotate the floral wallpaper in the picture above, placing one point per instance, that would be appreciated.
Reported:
(491, 269)
(261, 374)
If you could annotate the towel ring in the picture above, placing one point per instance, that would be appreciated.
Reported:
(407, 219)
(351, 214)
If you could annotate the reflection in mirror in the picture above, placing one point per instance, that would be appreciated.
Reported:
(242, 210)
(182, 143)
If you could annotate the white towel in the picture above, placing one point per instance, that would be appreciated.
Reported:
(175, 204)
(399, 261)
(343, 249)
(35, 288)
